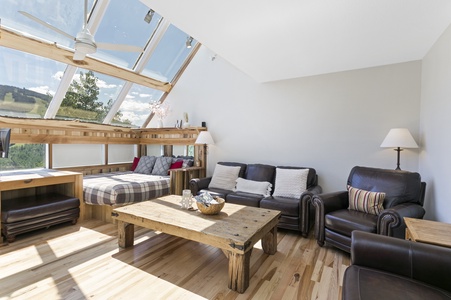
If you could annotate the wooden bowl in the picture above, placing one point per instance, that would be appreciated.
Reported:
(212, 209)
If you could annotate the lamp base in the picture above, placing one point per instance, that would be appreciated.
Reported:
(399, 151)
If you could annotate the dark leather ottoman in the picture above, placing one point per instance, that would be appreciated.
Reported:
(35, 212)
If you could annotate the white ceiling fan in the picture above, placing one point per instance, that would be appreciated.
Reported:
(84, 41)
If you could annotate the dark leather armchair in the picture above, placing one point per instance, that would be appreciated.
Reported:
(334, 222)
(387, 268)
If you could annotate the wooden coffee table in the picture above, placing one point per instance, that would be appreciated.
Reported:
(235, 230)
(431, 232)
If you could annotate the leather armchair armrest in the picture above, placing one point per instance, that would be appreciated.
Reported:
(393, 217)
(325, 203)
(422, 262)
(197, 184)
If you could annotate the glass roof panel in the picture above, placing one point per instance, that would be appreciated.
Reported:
(169, 55)
(34, 78)
(89, 96)
(136, 105)
(123, 23)
(64, 15)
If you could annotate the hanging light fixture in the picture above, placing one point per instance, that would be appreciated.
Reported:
(149, 16)
(189, 40)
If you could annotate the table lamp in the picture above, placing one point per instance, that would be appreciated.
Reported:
(399, 138)
(204, 138)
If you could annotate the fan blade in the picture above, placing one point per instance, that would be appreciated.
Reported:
(119, 47)
(46, 24)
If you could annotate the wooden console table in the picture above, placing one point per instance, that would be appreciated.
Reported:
(23, 183)
(431, 232)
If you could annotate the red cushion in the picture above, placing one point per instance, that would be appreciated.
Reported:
(135, 163)
(177, 164)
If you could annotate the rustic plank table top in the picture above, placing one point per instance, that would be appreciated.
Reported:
(431, 232)
(235, 229)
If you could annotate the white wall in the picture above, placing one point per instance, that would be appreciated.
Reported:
(329, 122)
(435, 160)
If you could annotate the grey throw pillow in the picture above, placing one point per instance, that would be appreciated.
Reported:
(162, 166)
(145, 164)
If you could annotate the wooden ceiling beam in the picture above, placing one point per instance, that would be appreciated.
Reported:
(19, 41)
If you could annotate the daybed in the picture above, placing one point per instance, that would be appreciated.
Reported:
(287, 189)
(387, 268)
(148, 179)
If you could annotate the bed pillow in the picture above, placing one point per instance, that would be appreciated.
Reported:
(134, 164)
(224, 177)
(162, 165)
(251, 186)
(145, 165)
(365, 201)
(290, 183)
(176, 165)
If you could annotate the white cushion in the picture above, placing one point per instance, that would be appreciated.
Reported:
(290, 183)
(224, 177)
(255, 187)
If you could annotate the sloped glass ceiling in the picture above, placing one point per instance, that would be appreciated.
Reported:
(33, 86)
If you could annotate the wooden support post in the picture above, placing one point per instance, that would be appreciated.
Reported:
(239, 269)
(269, 241)
(125, 232)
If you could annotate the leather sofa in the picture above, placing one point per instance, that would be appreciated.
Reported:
(297, 214)
(387, 268)
(334, 222)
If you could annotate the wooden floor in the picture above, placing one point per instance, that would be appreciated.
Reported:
(83, 261)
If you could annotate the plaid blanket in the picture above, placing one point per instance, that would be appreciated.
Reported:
(123, 187)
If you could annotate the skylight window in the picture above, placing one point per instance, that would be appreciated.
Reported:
(48, 86)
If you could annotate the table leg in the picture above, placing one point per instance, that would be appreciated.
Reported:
(125, 234)
(239, 269)
(269, 241)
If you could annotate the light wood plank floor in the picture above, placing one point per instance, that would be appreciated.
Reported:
(83, 261)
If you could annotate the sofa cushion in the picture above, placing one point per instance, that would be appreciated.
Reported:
(262, 188)
(145, 164)
(365, 201)
(134, 164)
(242, 198)
(290, 183)
(288, 206)
(260, 172)
(235, 164)
(224, 177)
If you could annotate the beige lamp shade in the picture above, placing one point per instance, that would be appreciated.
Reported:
(203, 138)
(399, 137)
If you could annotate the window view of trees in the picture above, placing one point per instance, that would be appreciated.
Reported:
(24, 156)
(82, 101)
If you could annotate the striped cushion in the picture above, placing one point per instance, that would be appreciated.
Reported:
(365, 201)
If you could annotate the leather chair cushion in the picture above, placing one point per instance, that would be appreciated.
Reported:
(361, 283)
(243, 198)
(344, 221)
(398, 186)
(36, 206)
(288, 206)
(260, 172)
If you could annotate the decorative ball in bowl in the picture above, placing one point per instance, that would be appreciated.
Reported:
(212, 209)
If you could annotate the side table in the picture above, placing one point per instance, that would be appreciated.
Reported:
(430, 232)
